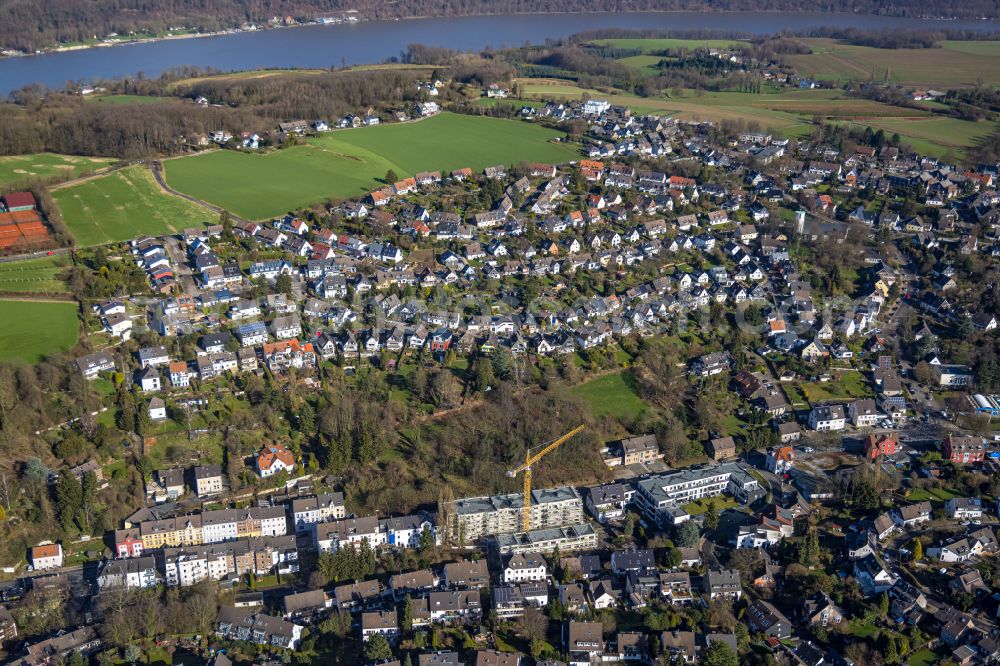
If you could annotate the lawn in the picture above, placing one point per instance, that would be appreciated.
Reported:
(611, 395)
(859, 629)
(850, 385)
(930, 494)
(924, 657)
(349, 163)
(721, 502)
(33, 330)
(954, 64)
(18, 168)
(34, 275)
(123, 205)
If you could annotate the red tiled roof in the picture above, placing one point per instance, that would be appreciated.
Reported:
(19, 199)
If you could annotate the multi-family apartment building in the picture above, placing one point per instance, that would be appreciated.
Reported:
(134, 574)
(567, 539)
(307, 511)
(661, 497)
(334, 535)
(473, 518)
(213, 527)
(190, 565)
(207, 480)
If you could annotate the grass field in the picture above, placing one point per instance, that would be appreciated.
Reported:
(16, 168)
(924, 657)
(954, 64)
(930, 494)
(33, 330)
(935, 136)
(611, 395)
(777, 110)
(349, 163)
(653, 45)
(646, 64)
(850, 385)
(34, 275)
(790, 112)
(238, 76)
(131, 99)
(122, 205)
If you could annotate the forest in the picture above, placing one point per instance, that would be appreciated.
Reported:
(28, 25)
(37, 120)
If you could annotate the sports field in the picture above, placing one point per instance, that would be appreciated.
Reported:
(33, 330)
(953, 64)
(16, 168)
(349, 163)
(122, 205)
(34, 275)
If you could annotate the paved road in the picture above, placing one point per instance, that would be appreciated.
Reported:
(35, 255)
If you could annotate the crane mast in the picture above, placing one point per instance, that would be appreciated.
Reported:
(530, 460)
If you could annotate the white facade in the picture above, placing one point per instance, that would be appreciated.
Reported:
(827, 417)
(48, 556)
(525, 568)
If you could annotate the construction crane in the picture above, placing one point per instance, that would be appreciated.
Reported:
(530, 460)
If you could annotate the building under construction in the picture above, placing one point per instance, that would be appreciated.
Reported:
(473, 518)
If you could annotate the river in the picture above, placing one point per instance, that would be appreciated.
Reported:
(375, 41)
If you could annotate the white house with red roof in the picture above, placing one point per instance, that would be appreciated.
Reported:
(274, 458)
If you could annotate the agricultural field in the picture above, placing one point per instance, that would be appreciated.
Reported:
(953, 64)
(34, 329)
(789, 112)
(655, 45)
(350, 163)
(611, 395)
(131, 99)
(17, 168)
(240, 76)
(34, 275)
(645, 64)
(123, 205)
(935, 136)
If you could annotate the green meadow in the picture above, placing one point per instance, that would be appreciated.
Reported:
(656, 45)
(611, 395)
(787, 112)
(349, 163)
(34, 329)
(34, 275)
(123, 205)
(952, 64)
(18, 168)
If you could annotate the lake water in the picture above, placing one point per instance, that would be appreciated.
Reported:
(375, 41)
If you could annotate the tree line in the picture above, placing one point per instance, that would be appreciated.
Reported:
(36, 120)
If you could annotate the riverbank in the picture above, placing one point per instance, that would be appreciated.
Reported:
(128, 41)
(131, 41)
(325, 46)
